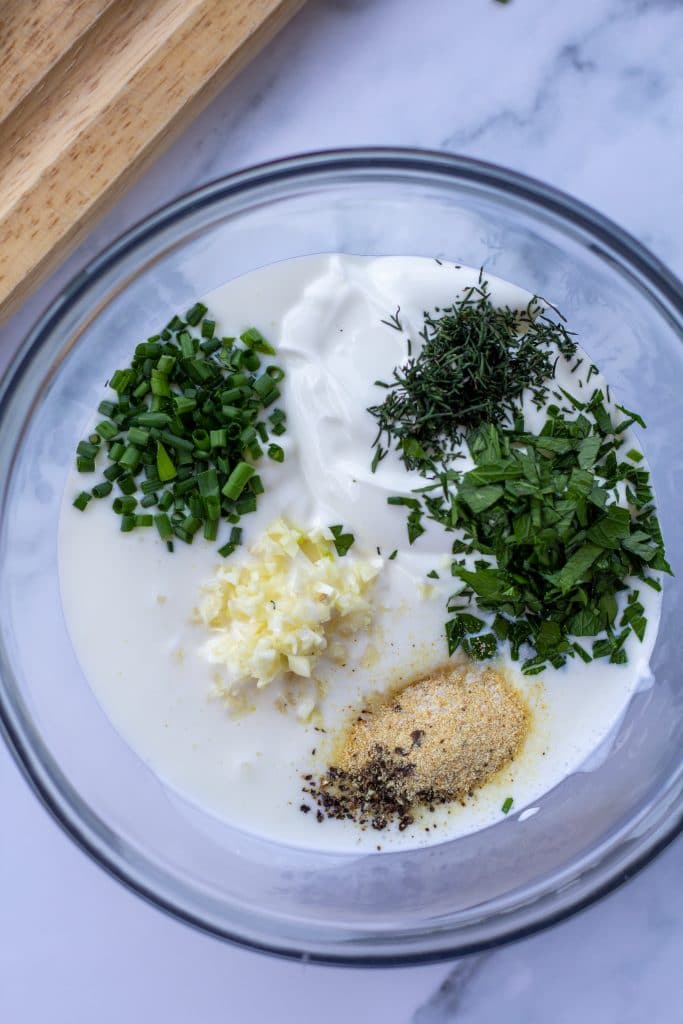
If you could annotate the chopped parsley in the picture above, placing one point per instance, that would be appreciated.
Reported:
(342, 541)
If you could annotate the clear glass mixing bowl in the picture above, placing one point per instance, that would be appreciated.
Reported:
(593, 830)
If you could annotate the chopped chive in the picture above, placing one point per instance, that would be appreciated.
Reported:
(107, 430)
(151, 484)
(165, 467)
(126, 484)
(245, 506)
(507, 804)
(120, 380)
(210, 529)
(184, 486)
(137, 436)
(201, 439)
(187, 345)
(208, 483)
(147, 350)
(87, 450)
(183, 404)
(160, 385)
(251, 361)
(131, 457)
(218, 438)
(188, 414)
(212, 507)
(153, 419)
(81, 501)
(163, 525)
(253, 339)
(264, 385)
(196, 506)
(165, 364)
(124, 505)
(238, 480)
(180, 443)
(195, 314)
(210, 346)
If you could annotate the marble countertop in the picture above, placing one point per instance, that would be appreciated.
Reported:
(586, 95)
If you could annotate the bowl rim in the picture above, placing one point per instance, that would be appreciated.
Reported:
(460, 169)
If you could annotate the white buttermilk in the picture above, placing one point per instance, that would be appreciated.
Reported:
(323, 314)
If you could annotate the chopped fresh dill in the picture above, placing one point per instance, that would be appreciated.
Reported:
(475, 363)
(393, 320)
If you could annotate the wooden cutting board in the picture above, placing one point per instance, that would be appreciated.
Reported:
(90, 92)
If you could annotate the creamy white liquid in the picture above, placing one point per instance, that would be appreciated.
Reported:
(323, 314)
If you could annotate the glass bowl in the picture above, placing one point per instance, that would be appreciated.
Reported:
(592, 831)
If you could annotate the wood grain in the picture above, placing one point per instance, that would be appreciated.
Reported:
(91, 91)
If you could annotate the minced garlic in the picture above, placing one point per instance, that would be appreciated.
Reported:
(290, 601)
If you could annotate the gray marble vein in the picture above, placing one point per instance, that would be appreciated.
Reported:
(449, 1000)
(616, 962)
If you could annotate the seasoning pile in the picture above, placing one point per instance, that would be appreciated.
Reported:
(438, 740)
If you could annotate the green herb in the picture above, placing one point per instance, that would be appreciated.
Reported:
(542, 541)
(342, 541)
(276, 453)
(237, 480)
(81, 501)
(184, 428)
(507, 805)
(475, 362)
(393, 320)
(561, 549)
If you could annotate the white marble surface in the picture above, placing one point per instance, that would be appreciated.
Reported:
(586, 94)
